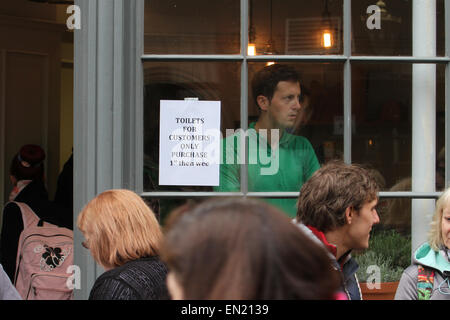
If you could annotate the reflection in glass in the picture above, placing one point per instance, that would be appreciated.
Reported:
(176, 81)
(192, 27)
(295, 27)
(395, 213)
(382, 111)
(392, 33)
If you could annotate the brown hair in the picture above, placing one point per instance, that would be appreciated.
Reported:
(245, 249)
(266, 80)
(330, 191)
(119, 227)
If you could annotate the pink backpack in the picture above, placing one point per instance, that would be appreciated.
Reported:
(44, 253)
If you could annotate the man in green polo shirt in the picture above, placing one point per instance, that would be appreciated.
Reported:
(277, 160)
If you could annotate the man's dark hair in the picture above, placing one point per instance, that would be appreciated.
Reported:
(330, 191)
(266, 80)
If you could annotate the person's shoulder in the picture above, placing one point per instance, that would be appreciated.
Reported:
(299, 141)
(110, 287)
(411, 272)
(11, 206)
(146, 276)
(11, 209)
(148, 263)
(142, 267)
(107, 275)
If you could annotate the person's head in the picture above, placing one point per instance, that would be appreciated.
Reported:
(439, 234)
(244, 249)
(340, 197)
(119, 227)
(276, 90)
(28, 164)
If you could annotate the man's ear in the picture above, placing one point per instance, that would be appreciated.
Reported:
(263, 102)
(349, 215)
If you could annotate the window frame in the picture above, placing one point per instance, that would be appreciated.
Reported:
(347, 58)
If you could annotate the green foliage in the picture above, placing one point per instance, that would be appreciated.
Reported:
(388, 250)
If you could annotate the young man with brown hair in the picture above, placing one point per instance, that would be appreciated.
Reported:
(277, 160)
(337, 205)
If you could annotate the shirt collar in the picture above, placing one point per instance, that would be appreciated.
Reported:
(285, 138)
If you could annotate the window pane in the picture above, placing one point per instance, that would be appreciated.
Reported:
(320, 118)
(440, 25)
(382, 114)
(164, 207)
(395, 214)
(192, 27)
(213, 81)
(440, 127)
(314, 137)
(393, 36)
(296, 27)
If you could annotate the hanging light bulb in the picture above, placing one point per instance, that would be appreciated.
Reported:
(269, 47)
(251, 49)
(327, 34)
(327, 39)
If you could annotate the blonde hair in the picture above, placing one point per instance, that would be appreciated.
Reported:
(119, 227)
(435, 239)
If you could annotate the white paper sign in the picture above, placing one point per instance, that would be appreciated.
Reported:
(189, 143)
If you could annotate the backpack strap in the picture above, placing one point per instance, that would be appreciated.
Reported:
(29, 218)
(425, 280)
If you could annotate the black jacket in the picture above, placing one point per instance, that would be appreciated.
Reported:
(141, 279)
(36, 197)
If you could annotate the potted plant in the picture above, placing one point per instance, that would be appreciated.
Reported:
(381, 266)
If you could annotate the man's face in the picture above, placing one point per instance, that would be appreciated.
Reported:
(282, 110)
(361, 224)
(445, 227)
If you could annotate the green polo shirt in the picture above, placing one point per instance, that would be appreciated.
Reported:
(285, 168)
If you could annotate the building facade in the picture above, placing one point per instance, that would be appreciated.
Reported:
(375, 75)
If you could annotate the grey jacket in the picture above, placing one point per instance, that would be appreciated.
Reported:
(427, 257)
(7, 290)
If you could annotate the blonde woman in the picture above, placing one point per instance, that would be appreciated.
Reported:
(429, 275)
(124, 237)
